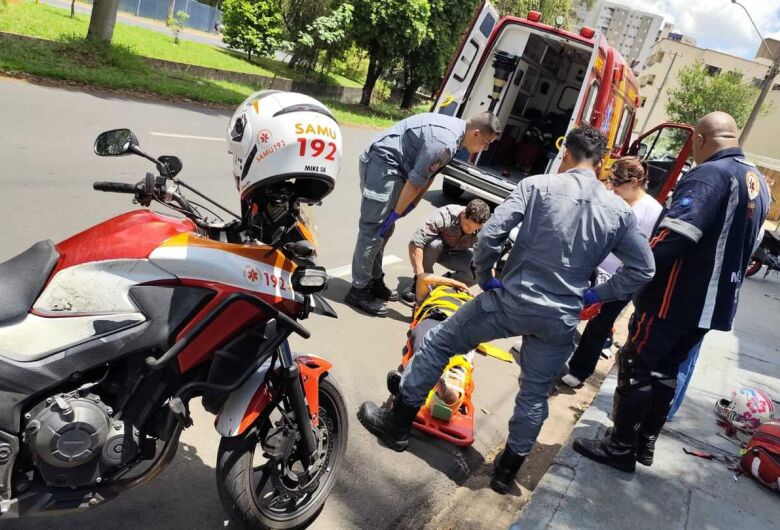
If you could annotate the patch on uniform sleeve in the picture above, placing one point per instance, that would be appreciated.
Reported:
(686, 201)
(444, 156)
(753, 184)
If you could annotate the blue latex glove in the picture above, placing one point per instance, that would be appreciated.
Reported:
(408, 209)
(388, 224)
(492, 283)
(590, 297)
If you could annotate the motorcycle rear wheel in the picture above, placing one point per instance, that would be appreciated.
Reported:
(264, 496)
(753, 267)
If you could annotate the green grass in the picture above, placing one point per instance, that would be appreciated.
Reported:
(53, 23)
(116, 67)
(70, 58)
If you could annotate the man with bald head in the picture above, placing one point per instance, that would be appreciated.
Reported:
(701, 247)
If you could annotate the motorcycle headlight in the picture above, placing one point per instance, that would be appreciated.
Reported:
(310, 279)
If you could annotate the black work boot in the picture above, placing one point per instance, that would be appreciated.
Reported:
(504, 471)
(382, 291)
(364, 300)
(654, 420)
(607, 450)
(409, 295)
(615, 447)
(392, 426)
(645, 449)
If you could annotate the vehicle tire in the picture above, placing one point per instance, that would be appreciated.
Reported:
(241, 484)
(450, 190)
(753, 267)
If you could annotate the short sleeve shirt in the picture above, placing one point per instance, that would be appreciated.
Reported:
(419, 146)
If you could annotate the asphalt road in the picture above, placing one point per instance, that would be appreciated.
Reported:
(46, 192)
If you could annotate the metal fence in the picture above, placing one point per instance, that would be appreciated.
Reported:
(202, 17)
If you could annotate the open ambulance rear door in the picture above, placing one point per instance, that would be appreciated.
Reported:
(462, 70)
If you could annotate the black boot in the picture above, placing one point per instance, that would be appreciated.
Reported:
(655, 418)
(392, 426)
(645, 449)
(615, 447)
(382, 291)
(607, 450)
(409, 295)
(504, 471)
(364, 300)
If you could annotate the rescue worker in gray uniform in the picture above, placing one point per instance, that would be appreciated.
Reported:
(447, 238)
(395, 172)
(568, 223)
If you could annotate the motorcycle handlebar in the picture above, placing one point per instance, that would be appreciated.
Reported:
(114, 187)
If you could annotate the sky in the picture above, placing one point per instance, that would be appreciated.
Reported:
(717, 24)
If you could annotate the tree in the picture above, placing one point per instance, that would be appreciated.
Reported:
(102, 20)
(169, 18)
(426, 64)
(253, 26)
(326, 37)
(387, 30)
(549, 9)
(298, 14)
(699, 93)
(177, 23)
(72, 8)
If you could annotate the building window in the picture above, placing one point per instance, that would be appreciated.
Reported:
(712, 70)
(642, 103)
(650, 79)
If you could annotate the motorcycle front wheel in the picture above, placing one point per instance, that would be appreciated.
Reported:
(262, 491)
(753, 267)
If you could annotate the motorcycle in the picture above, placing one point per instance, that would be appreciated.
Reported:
(767, 253)
(106, 337)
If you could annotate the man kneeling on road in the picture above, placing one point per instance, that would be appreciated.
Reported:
(568, 223)
(395, 172)
(447, 238)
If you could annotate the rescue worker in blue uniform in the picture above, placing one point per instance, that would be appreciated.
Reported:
(702, 247)
(568, 223)
(395, 172)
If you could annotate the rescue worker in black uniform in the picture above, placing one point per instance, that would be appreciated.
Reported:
(702, 248)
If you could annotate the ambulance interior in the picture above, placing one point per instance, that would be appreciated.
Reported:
(535, 105)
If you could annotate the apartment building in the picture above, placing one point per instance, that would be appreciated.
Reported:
(659, 77)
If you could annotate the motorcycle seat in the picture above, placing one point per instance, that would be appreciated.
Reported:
(22, 278)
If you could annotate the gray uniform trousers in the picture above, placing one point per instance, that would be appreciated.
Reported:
(547, 344)
(458, 261)
(380, 186)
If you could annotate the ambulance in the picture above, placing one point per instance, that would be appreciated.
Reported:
(541, 81)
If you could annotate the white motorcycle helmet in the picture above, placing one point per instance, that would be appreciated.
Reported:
(278, 137)
(747, 409)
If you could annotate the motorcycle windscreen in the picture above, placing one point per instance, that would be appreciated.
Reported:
(464, 66)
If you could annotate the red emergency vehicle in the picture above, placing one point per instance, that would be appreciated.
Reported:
(541, 81)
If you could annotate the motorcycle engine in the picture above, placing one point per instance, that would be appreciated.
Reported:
(74, 439)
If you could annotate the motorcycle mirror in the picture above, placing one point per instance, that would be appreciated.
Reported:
(118, 142)
(173, 163)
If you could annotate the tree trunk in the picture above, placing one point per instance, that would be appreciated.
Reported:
(409, 92)
(101, 23)
(73, 8)
(171, 4)
(374, 70)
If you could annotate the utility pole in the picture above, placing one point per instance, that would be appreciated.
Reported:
(766, 86)
(660, 91)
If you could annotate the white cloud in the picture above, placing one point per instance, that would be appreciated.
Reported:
(717, 24)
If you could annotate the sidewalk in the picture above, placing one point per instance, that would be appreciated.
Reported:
(679, 491)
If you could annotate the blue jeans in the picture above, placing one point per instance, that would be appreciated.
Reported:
(683, 378)
(547, 344)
